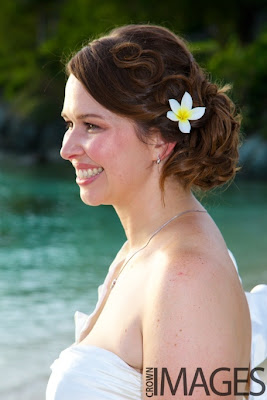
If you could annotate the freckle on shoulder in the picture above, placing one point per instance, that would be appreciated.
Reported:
(187, 266)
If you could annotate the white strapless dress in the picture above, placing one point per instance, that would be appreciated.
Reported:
(92, 373)
(84, 372)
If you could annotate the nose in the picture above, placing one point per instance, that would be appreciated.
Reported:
(71, 146)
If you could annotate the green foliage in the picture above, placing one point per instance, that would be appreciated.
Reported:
(25, 71)
(245, 68)
(35, 35)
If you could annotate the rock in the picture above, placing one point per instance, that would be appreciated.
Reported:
(253, 157)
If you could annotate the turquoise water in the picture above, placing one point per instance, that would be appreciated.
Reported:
(55, 251)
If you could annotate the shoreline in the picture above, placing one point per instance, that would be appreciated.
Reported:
(252, 160)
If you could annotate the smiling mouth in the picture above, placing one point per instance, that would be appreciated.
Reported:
(88, 173)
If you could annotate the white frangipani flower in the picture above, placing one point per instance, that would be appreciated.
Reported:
(184, 112)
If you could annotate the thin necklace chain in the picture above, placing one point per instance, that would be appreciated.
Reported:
(149, 240)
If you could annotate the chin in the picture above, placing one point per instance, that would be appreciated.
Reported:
(92, 198)
(90, 201)
(97, 197)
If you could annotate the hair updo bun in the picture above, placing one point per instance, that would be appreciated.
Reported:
(134, 71)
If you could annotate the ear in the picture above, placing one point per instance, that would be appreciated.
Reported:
(159, 146)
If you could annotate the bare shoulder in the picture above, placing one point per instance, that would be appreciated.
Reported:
(196, 314)
(195, 263)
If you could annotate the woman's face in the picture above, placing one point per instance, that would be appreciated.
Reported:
(112, 165)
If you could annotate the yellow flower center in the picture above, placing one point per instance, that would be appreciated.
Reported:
(183, 114)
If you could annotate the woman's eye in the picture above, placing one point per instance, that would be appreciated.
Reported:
(91, 127)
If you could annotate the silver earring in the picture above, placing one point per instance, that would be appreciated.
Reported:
(158, 160)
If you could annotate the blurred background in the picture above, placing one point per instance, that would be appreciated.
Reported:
(52, 256)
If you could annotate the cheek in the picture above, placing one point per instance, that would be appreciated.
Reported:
(106, 151)
(121, 158)
(98, 150)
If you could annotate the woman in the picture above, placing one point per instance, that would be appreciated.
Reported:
(145, 127)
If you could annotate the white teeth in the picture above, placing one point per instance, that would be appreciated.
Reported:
(87, 173)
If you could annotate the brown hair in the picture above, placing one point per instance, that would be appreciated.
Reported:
(134, 71)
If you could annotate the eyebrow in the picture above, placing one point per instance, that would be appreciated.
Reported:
(83, 116)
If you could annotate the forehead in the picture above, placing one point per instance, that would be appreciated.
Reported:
(77, 96)
(75, 87)
(78, 101)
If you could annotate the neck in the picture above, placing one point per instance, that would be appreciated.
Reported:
(147, 212)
